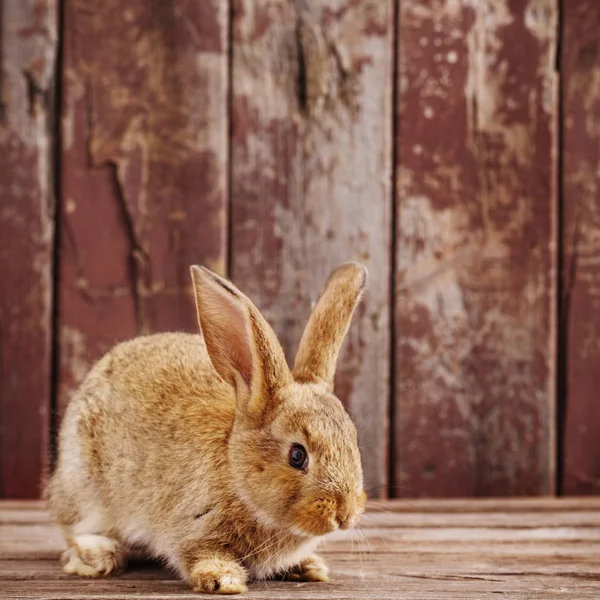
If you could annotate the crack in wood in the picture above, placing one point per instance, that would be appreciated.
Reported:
(37, 96)
(325, 81)
(139, 259)
(3, 100)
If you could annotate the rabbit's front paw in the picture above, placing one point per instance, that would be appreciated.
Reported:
(93, 556)
(312, 568)
(218, 576)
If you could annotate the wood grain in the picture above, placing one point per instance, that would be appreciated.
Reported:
(536, 553)
(311, 177)
(476, 262)
(144, 167)
(28, 43)
(580, 307)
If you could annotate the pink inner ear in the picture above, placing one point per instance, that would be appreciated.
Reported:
(226, 329)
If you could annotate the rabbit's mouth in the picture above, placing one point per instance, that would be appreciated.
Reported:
(322, 515)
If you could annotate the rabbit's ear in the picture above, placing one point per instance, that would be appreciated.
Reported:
(241, 345)
(327, 326)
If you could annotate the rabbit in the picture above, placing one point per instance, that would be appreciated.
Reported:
(208, 451)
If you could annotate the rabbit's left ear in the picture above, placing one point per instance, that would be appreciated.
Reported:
(327, 326)
(241, 345)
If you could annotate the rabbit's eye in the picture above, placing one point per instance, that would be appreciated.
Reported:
(298, 457)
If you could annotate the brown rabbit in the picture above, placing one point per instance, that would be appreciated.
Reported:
(208, 451)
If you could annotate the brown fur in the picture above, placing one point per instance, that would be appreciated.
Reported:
(179, 443)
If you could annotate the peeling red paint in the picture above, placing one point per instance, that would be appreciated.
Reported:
(145, 183)
(311, 173)
(26, 238)
(475, 287)
(580, 63)
(242, 119)
(145, 138)
(42, 20)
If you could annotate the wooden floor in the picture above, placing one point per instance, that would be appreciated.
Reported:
(517, 549)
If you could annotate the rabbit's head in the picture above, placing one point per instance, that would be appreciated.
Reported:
(293, 450)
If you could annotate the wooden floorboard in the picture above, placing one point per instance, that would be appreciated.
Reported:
(418, 550)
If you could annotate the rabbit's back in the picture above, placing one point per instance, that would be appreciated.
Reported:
(150, 421)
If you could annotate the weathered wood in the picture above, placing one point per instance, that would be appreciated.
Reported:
(415, 561)
(532, 511)
(475, 280)
(497, 519)
(408, 587)
(541, 510)
(580, 307)
(27, 89)
(311, 177)
(144, 167)
(468, 505)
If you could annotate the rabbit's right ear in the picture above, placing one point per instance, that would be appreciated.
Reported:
(241, 345)
(327, 325)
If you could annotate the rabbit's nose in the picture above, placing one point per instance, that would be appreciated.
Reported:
(344, 515)
(349, 510)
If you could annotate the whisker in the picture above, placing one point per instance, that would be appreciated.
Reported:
(282, 550)
(262, 547)
(361, 554)
(399, 487)
(366, 541)
(369, 517)
(361, 542)
(259, 547)
(371, 406)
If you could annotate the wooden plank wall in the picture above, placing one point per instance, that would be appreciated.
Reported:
(28, 46)
(311, 180)
(476, 240)
(580, 307)
(435, 142)
(144, 169)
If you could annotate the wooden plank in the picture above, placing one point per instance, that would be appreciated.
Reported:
(497, 552)
(22, 517)
(44, 569)
(30, 522)
(550, 508)
(410, 587)
(144, 169)
(580, 318)
(43, 542)
(27, 90)
(547, 504)
(311, 177)
(525, 519)
(370, 581)
(481, 510)
(475, 280)
(410, 563)
(543, 545)
(499, 519)
(437, 559)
